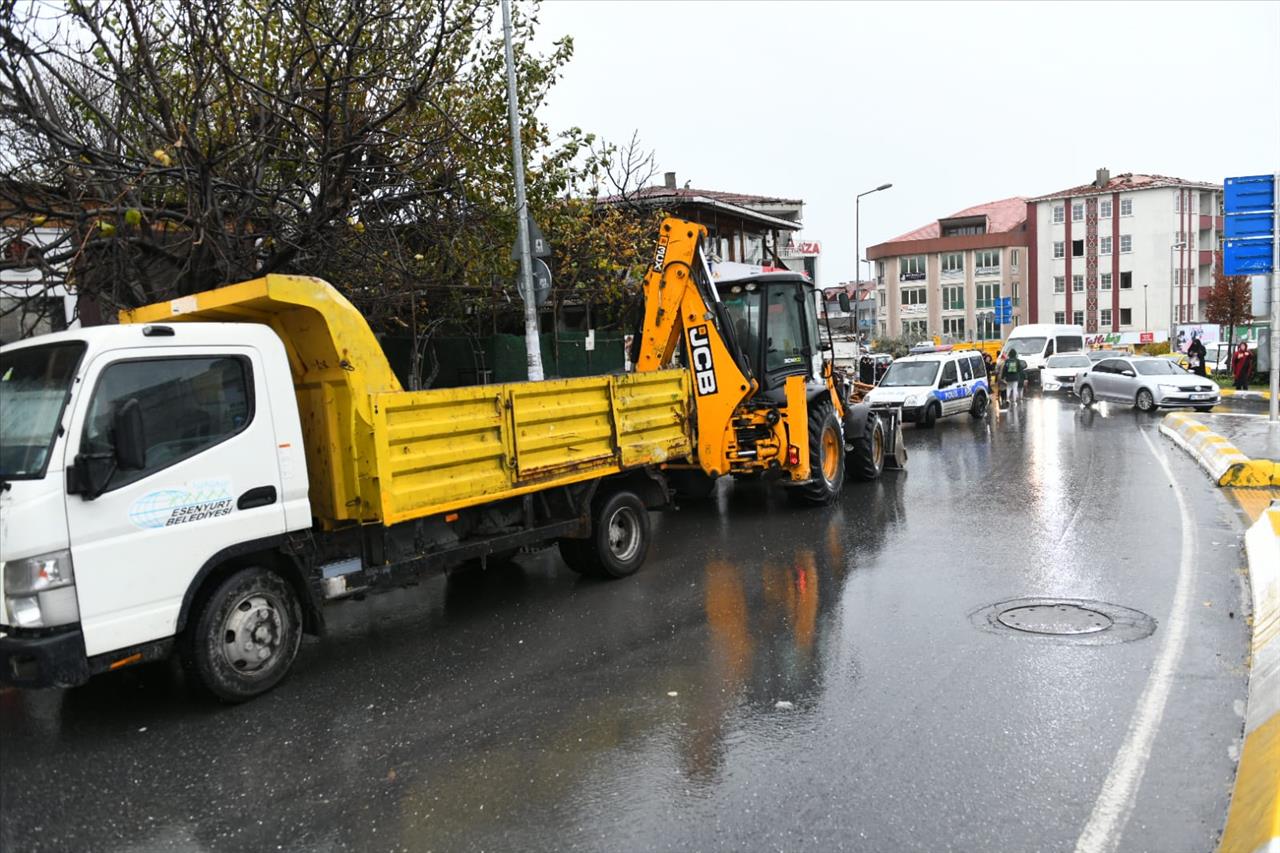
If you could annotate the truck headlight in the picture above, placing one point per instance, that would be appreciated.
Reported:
(39, 591)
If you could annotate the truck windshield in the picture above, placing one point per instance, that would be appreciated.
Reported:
(34, 384)
(1025, 346)
(902, 373)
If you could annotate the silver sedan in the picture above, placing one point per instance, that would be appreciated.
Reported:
(1145, 382)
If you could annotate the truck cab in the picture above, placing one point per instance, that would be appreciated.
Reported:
(114, 442)
(775, 322)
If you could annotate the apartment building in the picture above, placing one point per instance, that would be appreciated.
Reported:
(943, 278)
(1129, 253)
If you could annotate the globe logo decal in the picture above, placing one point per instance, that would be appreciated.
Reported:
(158, 508)
(152, 510)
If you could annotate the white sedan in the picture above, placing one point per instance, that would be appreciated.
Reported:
(1060, 371)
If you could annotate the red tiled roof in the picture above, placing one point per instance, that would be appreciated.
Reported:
(1125, 182)
(1002, 216)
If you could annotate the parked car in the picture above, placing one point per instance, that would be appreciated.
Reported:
(1035, 342)
(1060, 371)
(933, 385)
(1147, 382)
(1098, 355)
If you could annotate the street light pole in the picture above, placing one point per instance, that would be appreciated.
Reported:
(857, 225)
(1144, 306)
(1173, 326)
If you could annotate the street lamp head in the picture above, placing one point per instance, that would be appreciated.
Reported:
(883, 187)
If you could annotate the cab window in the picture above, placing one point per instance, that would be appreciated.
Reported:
(786, 344)
(948, 375)
(188, 405)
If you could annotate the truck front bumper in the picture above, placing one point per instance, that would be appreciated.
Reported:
(54, 659)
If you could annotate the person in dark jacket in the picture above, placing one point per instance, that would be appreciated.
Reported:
(1012, 372)
(1195, 355)
(1242, 366)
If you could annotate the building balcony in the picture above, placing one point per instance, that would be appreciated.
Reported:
(1207, 222)
(1206, 257)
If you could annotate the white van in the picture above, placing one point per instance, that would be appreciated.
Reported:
(932, 385)
(1035, 342)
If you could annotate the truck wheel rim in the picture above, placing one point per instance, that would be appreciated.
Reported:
(830, 454)
(624, 534)
(253, 633)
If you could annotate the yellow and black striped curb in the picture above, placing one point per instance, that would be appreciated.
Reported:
(1254, 395)
(1217, 455)
(1253, 823)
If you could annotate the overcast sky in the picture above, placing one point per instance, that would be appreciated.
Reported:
(954, 103)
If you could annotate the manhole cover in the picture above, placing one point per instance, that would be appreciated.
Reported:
(1055, 619)
(1065, 620)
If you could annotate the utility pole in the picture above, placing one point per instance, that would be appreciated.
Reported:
(532, 344)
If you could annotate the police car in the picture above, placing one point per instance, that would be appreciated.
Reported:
(929, 386)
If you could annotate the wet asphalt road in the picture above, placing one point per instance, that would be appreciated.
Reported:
(527, 709)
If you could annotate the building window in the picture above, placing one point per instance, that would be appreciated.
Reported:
(1014, 294)
(1104, 209)
(1126, 207)
(915, 296)
(1059, 284)
(1177, 204)
(987, 294)
(1059, 249)
(914, 330)
(1126, 281)
(1104, 246)
(1077, 248)
(911, 268)
(1077, 284)
(1060, 317)
(1057, 214)
(1105, 284)
(953, 263)
(987, 261)
(987, 328)
(1126, 243)
(1013, 258)
(1077, 318)
(953, 298)
(1126, 316)
(1077, 211)
(953, 326)
(1104, 316)
(880, 272)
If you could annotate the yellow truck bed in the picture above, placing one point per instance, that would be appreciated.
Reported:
(378, 453)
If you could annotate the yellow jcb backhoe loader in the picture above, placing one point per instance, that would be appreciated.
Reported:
(767, 400)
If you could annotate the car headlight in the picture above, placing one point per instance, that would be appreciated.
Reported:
(1168, 389)
(39, 591)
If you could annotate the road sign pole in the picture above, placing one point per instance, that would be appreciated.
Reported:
(1273, 411)
(532, 341)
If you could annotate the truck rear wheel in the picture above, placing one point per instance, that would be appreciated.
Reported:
(864, 451)
(245, 636)
(619, 539)
(826, 458)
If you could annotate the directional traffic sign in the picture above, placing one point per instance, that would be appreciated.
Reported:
(1246, 257)
(1247, 225)
(1248, 193)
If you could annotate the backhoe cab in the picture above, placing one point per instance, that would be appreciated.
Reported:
(767, 400)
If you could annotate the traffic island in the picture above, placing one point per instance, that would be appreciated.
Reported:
(1253, 822)
(1236, 450)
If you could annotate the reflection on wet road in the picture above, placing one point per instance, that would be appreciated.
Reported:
(773, 678)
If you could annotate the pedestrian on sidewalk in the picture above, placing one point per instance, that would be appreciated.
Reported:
(1195, 355)
(1242, 366)
(1012, 373)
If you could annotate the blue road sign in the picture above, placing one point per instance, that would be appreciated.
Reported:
(1246, 257)
(1248, 193)
(1246, 225)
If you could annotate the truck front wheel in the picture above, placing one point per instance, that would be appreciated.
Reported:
(245, 636)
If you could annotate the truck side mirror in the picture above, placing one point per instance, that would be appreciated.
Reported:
(128, 436)
(844, 302)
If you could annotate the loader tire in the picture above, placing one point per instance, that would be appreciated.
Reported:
(826, 458)
(864, 450)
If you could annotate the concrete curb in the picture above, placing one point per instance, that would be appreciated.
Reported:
(1253, 823)
(1248, 395)
(1222, 459)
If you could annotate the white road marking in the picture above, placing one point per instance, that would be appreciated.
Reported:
(1115, 801)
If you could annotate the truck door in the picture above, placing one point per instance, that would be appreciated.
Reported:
(210, 480)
